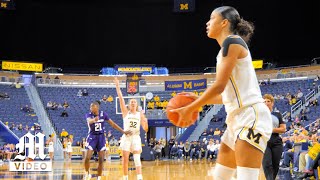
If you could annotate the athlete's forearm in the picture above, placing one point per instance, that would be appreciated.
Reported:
(117, 127)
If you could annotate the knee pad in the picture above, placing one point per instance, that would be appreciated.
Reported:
(223, 172)
(136, 158)
(244, 173)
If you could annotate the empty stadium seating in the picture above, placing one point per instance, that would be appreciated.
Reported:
(10, 109)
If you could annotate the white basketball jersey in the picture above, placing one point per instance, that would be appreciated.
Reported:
(69, 145)
(132, 122)
(51, 144)
(242, 88)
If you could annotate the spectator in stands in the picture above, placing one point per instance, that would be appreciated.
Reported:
(297, 119)
(13, 127)
(79, 94)
(152, 143)
(209, 150)
(156, 98)
(214, 119)
(26, 128)
(49, 105)
(303, 117)
(171, 143)
(174, 150)
(63, 135)
(163, 143)
(203, 150)
(186, 149)
(173, 94)
(158, 149)
(8, 151)
(217, 131)
(195, 150)
(4, 96)
(196, 92)
(274, 148)
(20, 127)
(32, 129)
(55, 105)
(180, 150)
(293, 100)
(109, 135)
(211, 132)
(65, 104)
(104, 99)
(150, 105)
(7, 124)
(113, 141)
(25, 109)
(85, 92)
(314, 102)
(204, 133)
(64, 113)
(110, 99)
(17, 85)
(299, 94)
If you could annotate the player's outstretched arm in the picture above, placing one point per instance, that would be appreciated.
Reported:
(117, 127)
(123, 107)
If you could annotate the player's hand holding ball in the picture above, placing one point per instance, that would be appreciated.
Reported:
(178, 111)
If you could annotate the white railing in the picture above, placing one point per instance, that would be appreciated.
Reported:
(285, 115)
(296, 106)
(309, 96)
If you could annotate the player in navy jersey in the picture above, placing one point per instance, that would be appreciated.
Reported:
(96, 140)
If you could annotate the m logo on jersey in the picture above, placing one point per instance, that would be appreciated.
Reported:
(31, 146)
(252, 136)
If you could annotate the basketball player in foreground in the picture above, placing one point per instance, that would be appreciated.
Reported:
(96, 140)
(132, 119)
(249, 123)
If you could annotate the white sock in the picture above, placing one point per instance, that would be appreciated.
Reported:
(125, 177)
(99, 178)
(245, 173)
(139, 176)
(222, 172)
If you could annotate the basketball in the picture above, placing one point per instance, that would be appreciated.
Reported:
(177, 102)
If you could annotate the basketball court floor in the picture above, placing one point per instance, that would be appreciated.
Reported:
(151, 170)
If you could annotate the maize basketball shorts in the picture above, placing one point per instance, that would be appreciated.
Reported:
(252, 124)
(131, 143)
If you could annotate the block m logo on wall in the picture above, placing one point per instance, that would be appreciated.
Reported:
(30, 146)
(181, 6)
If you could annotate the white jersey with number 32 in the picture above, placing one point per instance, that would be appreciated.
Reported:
(132, 122)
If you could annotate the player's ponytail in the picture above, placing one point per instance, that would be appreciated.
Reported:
(245, 29)
(238, 25)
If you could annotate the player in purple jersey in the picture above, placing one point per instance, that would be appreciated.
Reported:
(96, 140)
